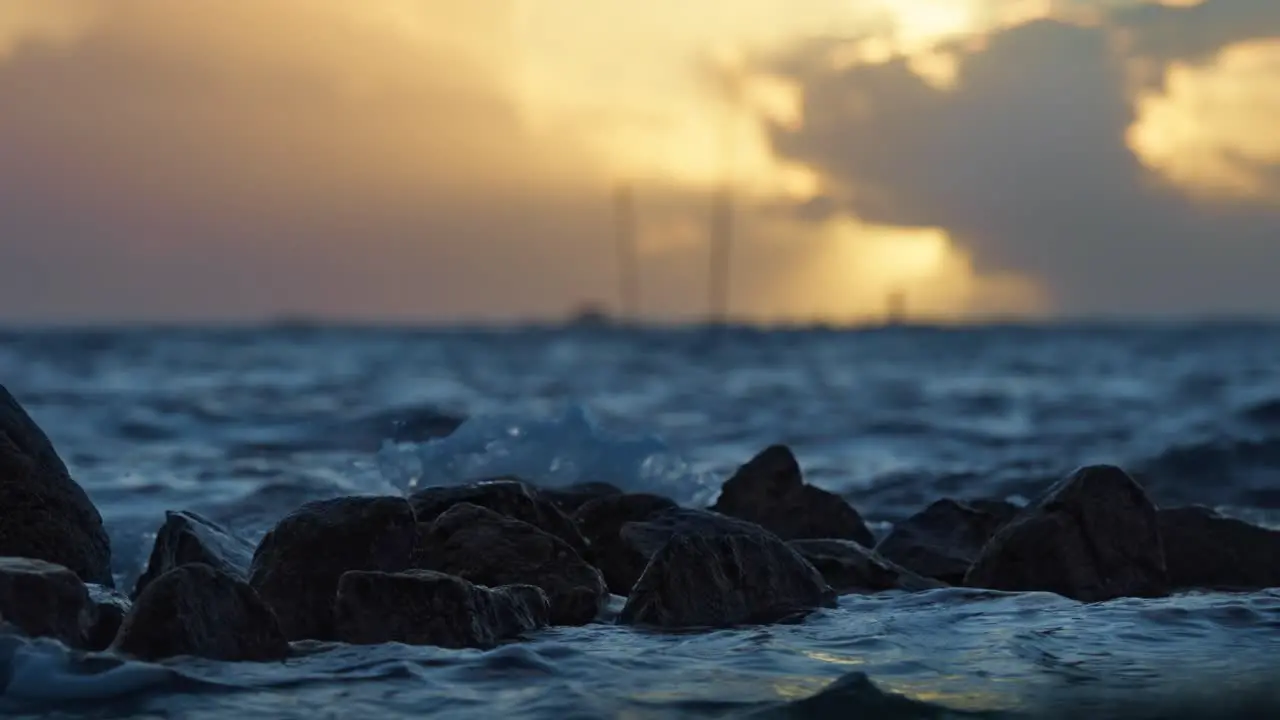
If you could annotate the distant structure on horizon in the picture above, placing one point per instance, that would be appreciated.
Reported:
(721, 238)
(896, 310)
(628, 264)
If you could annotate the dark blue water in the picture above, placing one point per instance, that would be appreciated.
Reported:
(245, 424)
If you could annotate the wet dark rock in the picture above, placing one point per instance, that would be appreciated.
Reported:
(505, 496)
(941, 541)
(487, 548)
(856, 690)
(43, 600)
(770, 491)
(187, 537)
(196, 610)
(851, 567)
(1002, 510)
(1204, 549)
(1092, 537)
(422, 607)
(649, 536)
(572, 497)
(44, 514)
(601, 522)
(296, 567)
(108, 609)
(709, 580)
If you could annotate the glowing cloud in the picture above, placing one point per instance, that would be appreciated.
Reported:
(1212, 130)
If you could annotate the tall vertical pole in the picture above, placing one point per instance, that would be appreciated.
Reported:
(721, 240)
(721, 230)
(625, 235)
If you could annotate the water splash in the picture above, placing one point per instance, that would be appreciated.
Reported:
(554, 451)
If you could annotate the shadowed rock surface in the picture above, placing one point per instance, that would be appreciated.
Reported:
(44, 514)
(199, 611)
(1092, 537)
(850, 567)
(709, 580)
(505, 496)
(601, 522)
(856, 696)
(296, 567)
(486, 548)
(1204, 549)
(422, 607)
(44, 600)
(649, 536)
(572, 497)
(941, 541)
(770, 491)
(187, 537)
(108, 609)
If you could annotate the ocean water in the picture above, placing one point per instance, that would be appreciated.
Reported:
(244, 424)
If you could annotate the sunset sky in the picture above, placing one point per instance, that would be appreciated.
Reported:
(422, 160)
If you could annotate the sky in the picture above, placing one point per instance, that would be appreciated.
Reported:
(437, 160)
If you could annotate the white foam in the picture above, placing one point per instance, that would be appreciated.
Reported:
(44, 670)
(562, 449)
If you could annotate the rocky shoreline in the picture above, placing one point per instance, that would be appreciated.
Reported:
(484, 564)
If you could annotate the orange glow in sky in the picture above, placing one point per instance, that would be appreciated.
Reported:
(469, 134)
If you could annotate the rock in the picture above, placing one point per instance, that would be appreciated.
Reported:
(505, 496)
(422, 607)
(1092, 537)
(601, 522)
(941, 541)
(196, 610)
(44, 514)
(711, 580)
(486, 548)
(849, 567)
(572, 497)
(856, 690)
(1003, 510)
(649, 536)
(296, 567)
(44, 600)
(108, 609)
(1204, 549)
(187, 537)
(770, 491)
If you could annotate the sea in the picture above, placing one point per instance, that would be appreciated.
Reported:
(245, 423)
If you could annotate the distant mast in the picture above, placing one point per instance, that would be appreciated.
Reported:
(721, 239)
(897, 308)
(625, 236)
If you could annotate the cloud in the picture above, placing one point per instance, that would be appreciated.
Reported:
(1025, 159)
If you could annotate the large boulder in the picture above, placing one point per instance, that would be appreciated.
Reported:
(44, 600)
(769, 490)
(44, 514)
(296, 567)
(941, 541)
(650, 535)
(486, 548)
(722, 579)
(1204, 549)
(1092, 537)
(570, 498)
(601, 522)
(196, 610)
(850, 567)
(505, 496)
(187, 537)
(422, 607)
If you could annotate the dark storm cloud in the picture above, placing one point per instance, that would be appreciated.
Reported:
(1025, 162)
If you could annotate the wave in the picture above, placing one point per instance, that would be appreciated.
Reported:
(551, 451)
